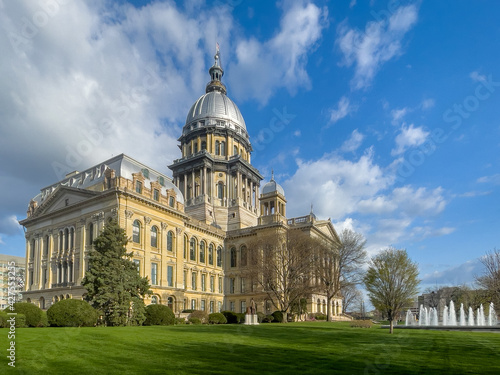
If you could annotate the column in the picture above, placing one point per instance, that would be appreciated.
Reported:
(252, 203)
(193, 185)
(185, 187)
(82, 262)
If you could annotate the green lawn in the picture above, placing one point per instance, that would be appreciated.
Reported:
(295, 348)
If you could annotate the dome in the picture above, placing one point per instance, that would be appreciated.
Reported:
(216, 105)
(272, 186)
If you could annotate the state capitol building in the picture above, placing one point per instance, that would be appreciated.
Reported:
(188, 234)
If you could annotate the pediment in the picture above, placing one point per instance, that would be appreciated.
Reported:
(326, 227)
(64, 197)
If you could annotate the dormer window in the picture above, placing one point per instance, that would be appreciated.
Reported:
(138, 187)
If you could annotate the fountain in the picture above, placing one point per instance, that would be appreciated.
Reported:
(428, 317)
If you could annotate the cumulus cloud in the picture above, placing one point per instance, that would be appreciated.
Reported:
(261, 67)
(410, 136)
(398, 114)
(354, 191)
(456, 275)
(380, 42)
(353, 143)
(477, 77)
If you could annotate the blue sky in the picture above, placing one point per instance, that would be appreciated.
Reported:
(383, 115)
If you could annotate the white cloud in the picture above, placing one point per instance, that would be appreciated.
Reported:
(428, 103)
(352, 3)
(457, 275)
(344, 107)
(380, 42)
(280, 61)
(410, 136)
(398, 114)
(493, 179)
(353, 143)
(476, 77)
(297, 133)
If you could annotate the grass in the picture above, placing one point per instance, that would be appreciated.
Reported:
(295, 348)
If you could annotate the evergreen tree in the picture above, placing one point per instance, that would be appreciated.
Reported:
(113, 283)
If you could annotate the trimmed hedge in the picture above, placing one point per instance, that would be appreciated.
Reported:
(202, 315)
(4, 323)
(217, 318)
(179, 321)
(320, 316)
(159, 315)
(361, 324)
(230, 317)
(194, 321)
(267, 319)
(278, 317)
(241, 318)
(44, 322)
(32, 313)
(260, 316)
(72, 313)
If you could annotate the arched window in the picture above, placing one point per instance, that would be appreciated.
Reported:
(192, 249)
(233, 257)
(170, 303)
(46, 246)
(72, 238)
(154, 236)
(32, 249)
(193, 281)
(42, 303)
(186, 244)
(223, 148)
(219, 256)
(217, 148)
(195, 147)
(154, 299)
(202, 252)
(91, 234)
(244, 256)
(66, 239)
(203, 145)
(211, 254)
(235, 150)
(170, 241)
(61, 237)
(220, 190)
(136, 231)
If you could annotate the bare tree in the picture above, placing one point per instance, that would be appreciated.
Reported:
(490, 280)
(392, 282)
(340, 264)
(351, 296)
(281, 263)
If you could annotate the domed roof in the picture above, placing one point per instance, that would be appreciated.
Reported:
(272, 186)
(215, 104)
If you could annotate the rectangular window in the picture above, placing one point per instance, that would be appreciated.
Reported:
(31, 277)
(231, 285)
(154, 273)
(202, 306)
(170, 275)
(156, 194)
(220, 284)
(185, 304)
(138, 265)
(243, 306)
(212, 284)
(219, 257)
(44, 276)
(185, 279)
(242, 285)
(231, 306)
(171, 201)
(211, 307)
(138, 187)
(203, 283)
(193, 304)
(219, 306)
(193, 281)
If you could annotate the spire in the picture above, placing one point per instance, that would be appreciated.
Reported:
(272, 174)
(216, 72)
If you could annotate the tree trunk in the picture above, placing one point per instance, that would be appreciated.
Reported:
(285, 317)
(328, 308)
(391, 326)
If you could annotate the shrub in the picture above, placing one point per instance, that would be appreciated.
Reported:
(21, 321)
(44, 322)
(230, 317)
(3, 319)
(260, 316)
(217, 318)
(202, 315)
(278, 317)
(32, 313)
(240, 317)
(194, 321)
(187, 311)
(71, 313)
(159, 315)
(320, 316)
(361, 323)
(267, 319)
(179, 321)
